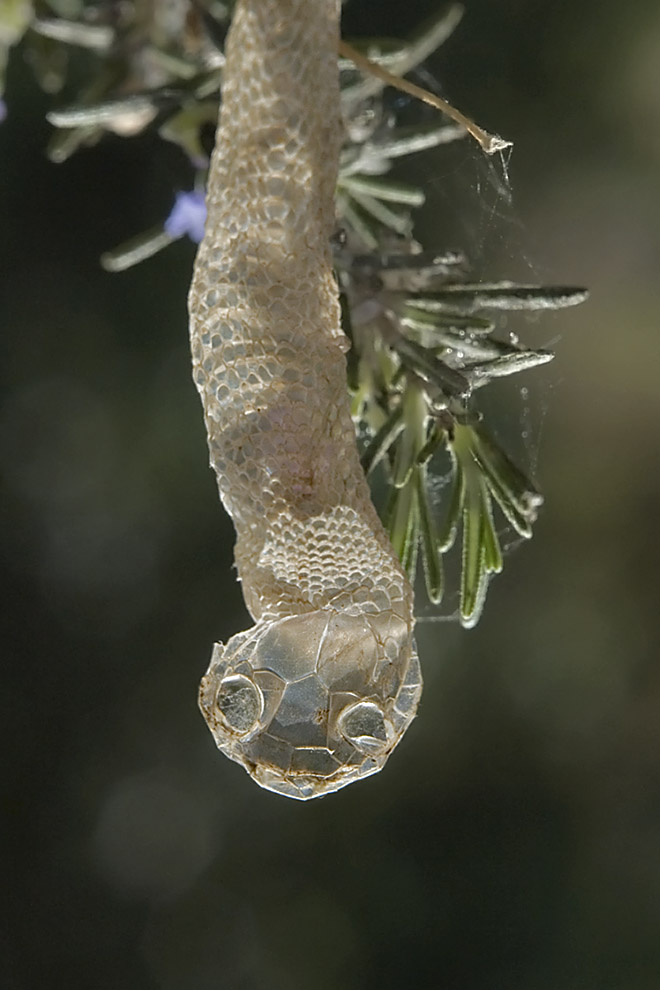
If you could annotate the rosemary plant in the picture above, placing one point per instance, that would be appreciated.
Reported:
(423, 336)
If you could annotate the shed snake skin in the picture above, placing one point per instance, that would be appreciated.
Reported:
(320, 690)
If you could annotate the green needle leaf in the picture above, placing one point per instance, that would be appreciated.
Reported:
(64, 143)
(434, 440)
(404, 459)
(383, 439)
(447, 533)
(391, 192)
(136, 249)
(365, 229)
(431, 559)
(474, 577)
(413, 437)
(399, 519)
(492, 552)
(98, 37)
(428, 312)
(507, 364)
(424, 361)
(498, 466)
(408, 141)
(400, 223)
(510, 296)
(409, 559)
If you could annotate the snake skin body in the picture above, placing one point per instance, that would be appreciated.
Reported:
(320, 690)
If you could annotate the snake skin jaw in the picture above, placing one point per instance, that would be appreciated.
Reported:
(310, 703)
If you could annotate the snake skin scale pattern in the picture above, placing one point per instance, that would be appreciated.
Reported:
(319, 691)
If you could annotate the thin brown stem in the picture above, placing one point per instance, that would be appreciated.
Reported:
(489, 142)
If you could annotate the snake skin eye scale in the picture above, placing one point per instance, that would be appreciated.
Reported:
(321, 689)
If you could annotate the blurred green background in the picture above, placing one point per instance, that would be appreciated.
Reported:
(513, 841)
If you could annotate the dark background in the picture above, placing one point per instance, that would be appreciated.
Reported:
(513, 842)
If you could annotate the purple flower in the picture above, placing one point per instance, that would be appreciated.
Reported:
(188, 216)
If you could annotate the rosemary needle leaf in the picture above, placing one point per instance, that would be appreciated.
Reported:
(431, 559)
(97, 37)
(449, 527)
(408, 272)
(410, 551)
(507, 364)
(424, 361)
(411, 263)
(391, 192)
(495, 463)
(407, 141)
(423, 313)
(399, 518)
(492, 550)
(365, 229)
(517, 509)
(434, 440)
(65, 142)
(512, 296)
(474, 577)
(135, 250)
(521, 522)
(400, 223)
(104, 114)
(405, 456)
(383, 439)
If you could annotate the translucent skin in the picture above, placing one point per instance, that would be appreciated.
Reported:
(321, 689)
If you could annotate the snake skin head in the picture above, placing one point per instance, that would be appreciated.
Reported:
(310, 703)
